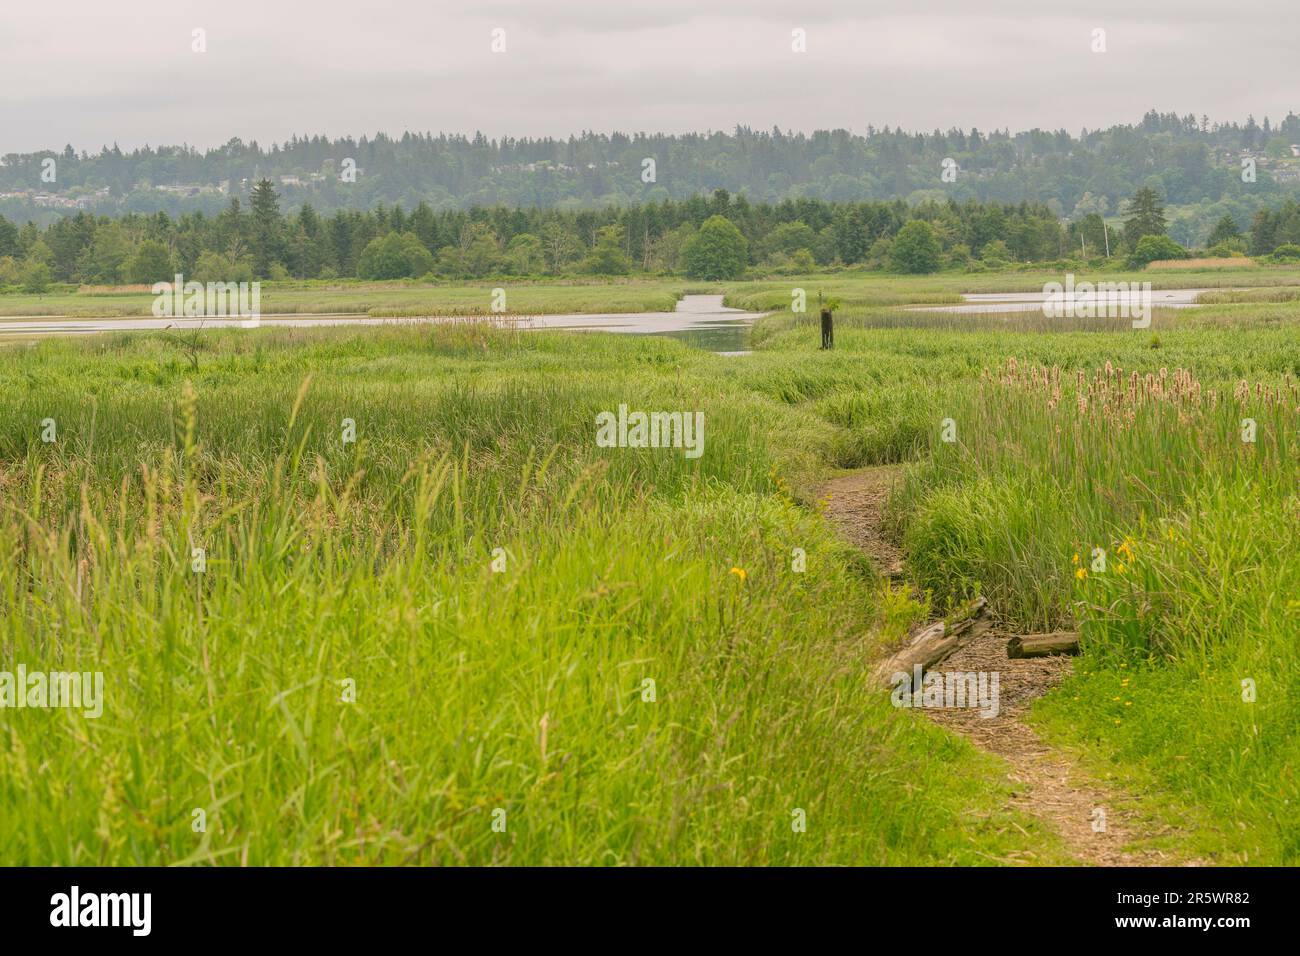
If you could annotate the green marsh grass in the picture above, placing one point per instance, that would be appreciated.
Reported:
(522, 691)
(1198, 525)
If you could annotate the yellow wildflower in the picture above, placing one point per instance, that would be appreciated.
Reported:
(738, 572)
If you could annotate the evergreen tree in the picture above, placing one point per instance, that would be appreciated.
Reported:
(9, 239)
(1224, 229)
(1146, 216)
(268, 229)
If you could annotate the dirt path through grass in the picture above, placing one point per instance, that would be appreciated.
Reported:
(1046, 783)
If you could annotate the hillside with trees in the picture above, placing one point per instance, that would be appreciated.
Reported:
(1195, 165)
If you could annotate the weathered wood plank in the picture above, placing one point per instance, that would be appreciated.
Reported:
(933, 644)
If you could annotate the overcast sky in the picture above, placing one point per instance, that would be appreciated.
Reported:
(88, 72)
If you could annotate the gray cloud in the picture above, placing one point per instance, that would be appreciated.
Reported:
(87, 74)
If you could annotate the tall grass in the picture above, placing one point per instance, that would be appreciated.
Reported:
(525, 691)
(1131, 442)
(370, 566)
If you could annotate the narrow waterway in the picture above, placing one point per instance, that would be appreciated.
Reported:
(701, 320)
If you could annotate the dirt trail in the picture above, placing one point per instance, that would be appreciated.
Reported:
(855, 503)
(1047, 783)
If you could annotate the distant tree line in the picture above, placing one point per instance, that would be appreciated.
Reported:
(710, 237)
(1191, 162)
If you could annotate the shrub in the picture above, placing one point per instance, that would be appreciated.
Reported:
(36, 278)
(1151, 248)
(395, 256)
(606, 257)
(717, 251)
(915, 248)
(1228, 248)
(996, 254)
(151, 262)
(216, 267)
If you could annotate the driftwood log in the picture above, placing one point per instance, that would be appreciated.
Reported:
(1041, 645)
(934, 644)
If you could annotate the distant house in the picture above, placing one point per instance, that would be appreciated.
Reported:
(55, 201)
(1295, 149)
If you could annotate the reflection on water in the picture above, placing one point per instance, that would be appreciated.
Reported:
(729, 337)
(699, 320)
